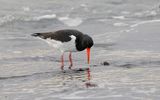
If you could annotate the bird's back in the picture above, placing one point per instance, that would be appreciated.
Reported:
(60, 35)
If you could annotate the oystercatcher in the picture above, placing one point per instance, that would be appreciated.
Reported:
(67, 40)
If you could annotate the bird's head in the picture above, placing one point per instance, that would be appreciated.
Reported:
(87, 41)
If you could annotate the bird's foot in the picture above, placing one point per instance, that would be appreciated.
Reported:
(63, 71)
(70, 67)
(62, 68)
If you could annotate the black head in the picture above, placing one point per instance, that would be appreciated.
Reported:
(87, 41)
(83, 42)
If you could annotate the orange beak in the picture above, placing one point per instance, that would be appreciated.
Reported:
(88, 55)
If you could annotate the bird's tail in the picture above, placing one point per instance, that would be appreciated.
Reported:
(36, 34)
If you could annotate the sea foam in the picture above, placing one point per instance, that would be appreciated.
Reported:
(120, 24)
(7, 18)
(70, 21)
(144, 22)
(52, 16)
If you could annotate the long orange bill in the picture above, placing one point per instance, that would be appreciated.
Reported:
(88, 55)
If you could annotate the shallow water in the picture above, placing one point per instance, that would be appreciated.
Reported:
(126, 34)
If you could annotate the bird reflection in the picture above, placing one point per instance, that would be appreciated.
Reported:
(81, 77)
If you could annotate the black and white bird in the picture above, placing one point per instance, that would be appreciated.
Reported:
(67, 40)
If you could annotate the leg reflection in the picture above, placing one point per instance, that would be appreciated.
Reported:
(88, 83)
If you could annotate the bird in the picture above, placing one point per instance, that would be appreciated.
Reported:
(67, 40)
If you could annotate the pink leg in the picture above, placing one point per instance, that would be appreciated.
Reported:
(62, 62)
(70, 60)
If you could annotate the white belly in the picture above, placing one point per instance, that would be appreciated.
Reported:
(63, 46)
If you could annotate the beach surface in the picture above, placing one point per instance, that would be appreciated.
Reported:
(125, 33)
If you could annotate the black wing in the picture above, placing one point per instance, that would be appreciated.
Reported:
(61, 35)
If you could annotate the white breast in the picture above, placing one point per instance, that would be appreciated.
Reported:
(63, 46)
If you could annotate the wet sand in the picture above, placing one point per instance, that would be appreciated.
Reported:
(126, 35)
